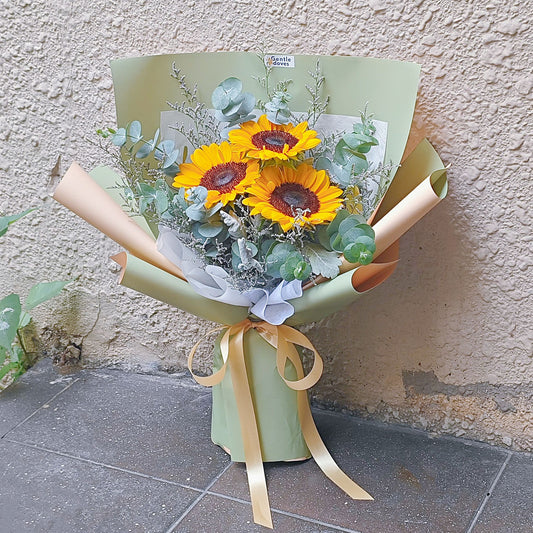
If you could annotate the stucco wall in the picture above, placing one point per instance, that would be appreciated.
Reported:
(446, 343)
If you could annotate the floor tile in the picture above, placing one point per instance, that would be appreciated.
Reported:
(44, 492)
(419, 484)
(218, 515)
(30, 392)
(156, 425)
(510, 506)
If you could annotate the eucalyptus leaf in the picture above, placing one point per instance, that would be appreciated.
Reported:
(247, 104)
(233, 107)
(323, 163)
(367, 242)
(145, 189)
(358, 253)
(333, 226)
(172, 170)
(233, 86)
(161, 201)
(220, 98)
(144, 150)
(171, 158)
(119, 138)
(210, 230)
(195, 212)
(164, 148)
(135, 131)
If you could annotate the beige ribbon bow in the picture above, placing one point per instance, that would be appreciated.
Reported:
(283, 338)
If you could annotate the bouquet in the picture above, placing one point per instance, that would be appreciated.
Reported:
(260, 208)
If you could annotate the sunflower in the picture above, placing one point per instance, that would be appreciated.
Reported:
(220, 170)
(265, 140)
(294, 196)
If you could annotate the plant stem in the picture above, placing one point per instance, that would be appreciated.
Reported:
(26, 355)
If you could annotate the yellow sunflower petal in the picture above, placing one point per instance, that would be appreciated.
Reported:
(291, 191)
(222, 171)
(265, 141)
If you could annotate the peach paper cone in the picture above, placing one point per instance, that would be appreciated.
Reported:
(78, 192)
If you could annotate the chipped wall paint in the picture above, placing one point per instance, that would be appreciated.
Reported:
(442, 343)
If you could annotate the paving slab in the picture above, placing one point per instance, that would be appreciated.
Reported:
(45, 492)
(419, 484)
(156, 425)
(219, 515)
(509, 508)
(36, 388)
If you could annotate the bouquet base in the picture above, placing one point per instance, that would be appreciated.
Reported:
(275, 406)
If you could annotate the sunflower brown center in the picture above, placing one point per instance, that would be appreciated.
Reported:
(288, 197)
(224, 177)
(274, 140)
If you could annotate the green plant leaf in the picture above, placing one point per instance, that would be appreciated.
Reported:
(3, 355)
(135, 131)
(333, 226)
(10, 310)
(220, 98)
(24, 320)
(323, 262)
(119, 138)
(210, 229)
(358, 253)
(41, 292)
(161, 201)
(7, 368)
(5, 221)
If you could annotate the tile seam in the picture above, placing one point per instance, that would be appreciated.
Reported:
(488, 496)
(286, 513)
(198, 499)
(39, 408)
(104, 465)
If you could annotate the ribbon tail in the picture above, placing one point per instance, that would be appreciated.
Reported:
(250, 434)
(315, 444)
(321, 455)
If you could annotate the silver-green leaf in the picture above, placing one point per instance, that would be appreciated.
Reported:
(322, 261)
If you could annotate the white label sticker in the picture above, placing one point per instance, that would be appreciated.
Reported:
(275, 60)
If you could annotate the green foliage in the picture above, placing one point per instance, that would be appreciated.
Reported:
(277, 109)
(232, 105)
(286, 262)
(10, 310)
(130, 139)
(350, 235)
(318, 105)
(42, 292)
(7, 220)
(206, 127)
(351, 149)
(323, 262)
(14, 317)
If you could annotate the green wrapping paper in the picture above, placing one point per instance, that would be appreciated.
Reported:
(275, 406)
(143, 86)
